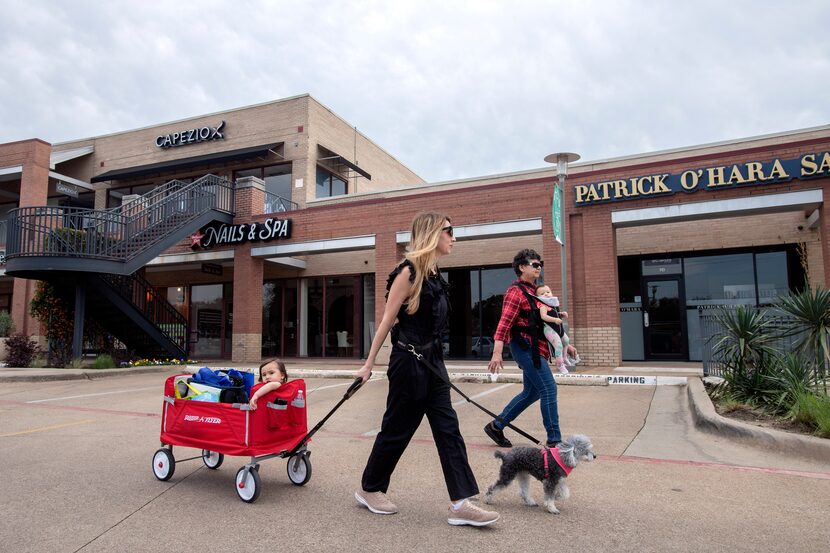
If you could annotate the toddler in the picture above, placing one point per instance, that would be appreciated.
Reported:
(555, 335)
(274, 375)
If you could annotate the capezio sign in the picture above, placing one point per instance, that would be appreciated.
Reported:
(224, 235)
(808, 166)
(191, 136)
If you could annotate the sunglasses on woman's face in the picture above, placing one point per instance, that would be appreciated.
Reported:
(448, 230)
(537, 264)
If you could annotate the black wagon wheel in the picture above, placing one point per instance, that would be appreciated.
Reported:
(212, 459)
(164, 464)
(248, 484)
(299, 469)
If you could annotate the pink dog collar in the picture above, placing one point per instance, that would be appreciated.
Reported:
(554, 452)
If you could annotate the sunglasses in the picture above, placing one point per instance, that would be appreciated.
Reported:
(448, 230)
(537, 264)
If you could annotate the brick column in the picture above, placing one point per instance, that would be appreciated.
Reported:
(594, 309)
(824, 236)
(33, 156)
(246, 343)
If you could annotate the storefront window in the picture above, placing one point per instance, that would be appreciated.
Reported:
(475, 297)
(368, 313)
(340, 296)
(329, 184)
(720, 280)
(315, 317)
(115, 196)
(631, 308)
(279, 318)
(773, 282)
(206, 320)
(277, 178)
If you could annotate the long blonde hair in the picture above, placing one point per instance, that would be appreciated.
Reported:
(422, 252)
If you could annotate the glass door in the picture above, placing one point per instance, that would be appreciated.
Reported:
(664, 321)
(206, 316)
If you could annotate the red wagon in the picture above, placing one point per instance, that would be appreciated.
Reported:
(277, 428)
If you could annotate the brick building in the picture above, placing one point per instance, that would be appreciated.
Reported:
(308, 216)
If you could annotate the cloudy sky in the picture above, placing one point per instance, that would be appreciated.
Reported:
(453, 89)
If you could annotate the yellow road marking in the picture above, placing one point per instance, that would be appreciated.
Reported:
(45, 428)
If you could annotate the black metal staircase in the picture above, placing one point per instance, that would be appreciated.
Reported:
(97, 252)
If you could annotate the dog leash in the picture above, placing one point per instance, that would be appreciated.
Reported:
(412, 349)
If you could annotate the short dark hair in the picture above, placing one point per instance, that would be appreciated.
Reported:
(523, 258)
(280, 367)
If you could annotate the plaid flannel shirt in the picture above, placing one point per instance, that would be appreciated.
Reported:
(514, 303)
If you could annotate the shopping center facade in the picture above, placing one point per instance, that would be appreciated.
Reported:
(308, 216)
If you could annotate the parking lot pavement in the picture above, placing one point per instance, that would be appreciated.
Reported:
(77, 477)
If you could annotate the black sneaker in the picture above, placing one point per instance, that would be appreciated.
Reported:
(497, 435)
(551, 445)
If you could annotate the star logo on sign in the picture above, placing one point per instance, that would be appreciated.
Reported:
(196, 239)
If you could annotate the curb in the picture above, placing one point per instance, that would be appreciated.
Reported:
(82, 374)
(708, 420)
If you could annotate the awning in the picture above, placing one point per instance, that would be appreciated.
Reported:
(337, 160)
(66, 155)
(186, 163)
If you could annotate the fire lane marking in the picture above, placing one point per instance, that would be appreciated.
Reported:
(46, 428)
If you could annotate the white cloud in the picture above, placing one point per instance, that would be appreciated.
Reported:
(452, 89)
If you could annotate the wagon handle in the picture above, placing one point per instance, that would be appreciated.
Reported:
(355, 386)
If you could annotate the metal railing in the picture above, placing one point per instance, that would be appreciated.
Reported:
(711, 330)
(151, 304)
(278, 204)
(120, 233)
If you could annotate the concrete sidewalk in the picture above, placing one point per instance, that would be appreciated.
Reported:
(698, 407)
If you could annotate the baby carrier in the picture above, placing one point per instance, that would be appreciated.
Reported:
(535, 327)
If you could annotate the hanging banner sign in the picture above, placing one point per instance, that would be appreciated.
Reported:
(556, 214)
(68, 189)
(753, 173)
(224, 235)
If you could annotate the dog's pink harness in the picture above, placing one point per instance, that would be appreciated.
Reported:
(554, 452)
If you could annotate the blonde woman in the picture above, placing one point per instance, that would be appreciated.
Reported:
(416, 313)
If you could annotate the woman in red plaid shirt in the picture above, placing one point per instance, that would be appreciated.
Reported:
(528, 349)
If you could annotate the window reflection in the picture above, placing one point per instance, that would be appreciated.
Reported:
(720, 279)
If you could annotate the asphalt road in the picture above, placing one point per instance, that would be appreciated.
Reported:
(76, 466)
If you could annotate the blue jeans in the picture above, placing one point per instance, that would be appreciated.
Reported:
(536, 384)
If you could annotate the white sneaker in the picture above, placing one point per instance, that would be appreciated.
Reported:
(572, 361)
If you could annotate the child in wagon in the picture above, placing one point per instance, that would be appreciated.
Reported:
(272, 374)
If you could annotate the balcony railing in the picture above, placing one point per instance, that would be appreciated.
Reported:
(278, 204)
(119, 233)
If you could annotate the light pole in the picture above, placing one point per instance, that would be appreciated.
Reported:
(561, 159)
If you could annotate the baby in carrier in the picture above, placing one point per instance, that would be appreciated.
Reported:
(554, 330)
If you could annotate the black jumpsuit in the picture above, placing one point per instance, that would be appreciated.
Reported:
(415, 391)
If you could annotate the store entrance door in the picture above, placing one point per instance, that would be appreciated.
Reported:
(664, 321)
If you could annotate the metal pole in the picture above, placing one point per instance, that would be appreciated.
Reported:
(78, 330)
(563, 255)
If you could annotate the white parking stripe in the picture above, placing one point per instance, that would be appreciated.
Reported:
(92, 395)
(375, 431)
(482, 394)
(349, 383)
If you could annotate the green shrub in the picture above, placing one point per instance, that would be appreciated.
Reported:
(6, 323)
(21, 350)
(104, 362)
(791, 377)
(814, 411)
(810, 313)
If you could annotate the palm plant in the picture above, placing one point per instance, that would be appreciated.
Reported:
(746, 350)
(809, 313)
(789, 379)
